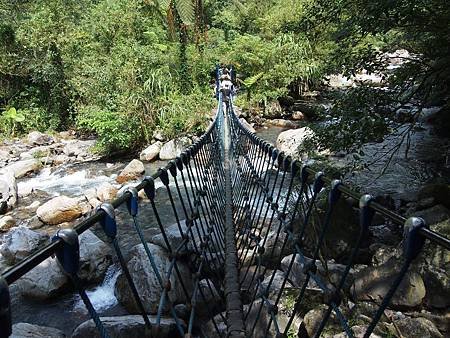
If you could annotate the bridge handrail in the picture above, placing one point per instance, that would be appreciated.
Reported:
(427, 233)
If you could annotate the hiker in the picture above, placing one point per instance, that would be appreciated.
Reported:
(226, 87)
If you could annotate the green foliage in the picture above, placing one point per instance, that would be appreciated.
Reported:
(11, 118)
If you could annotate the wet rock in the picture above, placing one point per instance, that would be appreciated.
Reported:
(59, 210)
(131, 326)
(151, 152)
(6, 223)
(133, 171)
(282, 123)
(247, 125)
(146, 281)
(290, 140)
(95, 257)
(38, 138)
(4, 155)
(434, 215)
(106, 192)
(19, 243)
(417, 327)
(174, 148)
(440, 193)
(22, 168)
(8, 190)
(372, 283)
(26, 330)
(45, 281)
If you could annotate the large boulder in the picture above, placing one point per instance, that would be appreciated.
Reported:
(151, 152)
(147, 283)
(48, 280)
(8, 190)
(372, 283)
(131, 326)
(133, 171)
(174, 148)
(26, 330)
(95, 257)
(417, 327)
(37, 138)
(19, 243)
(44, 281)
(289, 141)
(21, 168)
(59, 210)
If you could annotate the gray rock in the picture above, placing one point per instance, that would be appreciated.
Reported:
(38, 138)
(75, 148)
(133, 171)
(372, 283)
(417, 327)
(151, 152)
(45, 281)
(273, 110)
(59, 210)
(174, 148)
(272, 248)
(26, 330)
(19, 243)
(434, 215)
(147, 283)
(21, 168)
(131, 326)
(95, 257)
(8, 190)
(290, 140)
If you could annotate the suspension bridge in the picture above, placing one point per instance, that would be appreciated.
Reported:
(241, 207)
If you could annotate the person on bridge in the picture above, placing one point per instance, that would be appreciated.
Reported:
(226, 87)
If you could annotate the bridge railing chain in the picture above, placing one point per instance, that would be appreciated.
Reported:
(278, 202)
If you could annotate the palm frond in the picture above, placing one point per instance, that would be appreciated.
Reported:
(186, 11)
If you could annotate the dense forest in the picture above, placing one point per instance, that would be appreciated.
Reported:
(119, 69)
